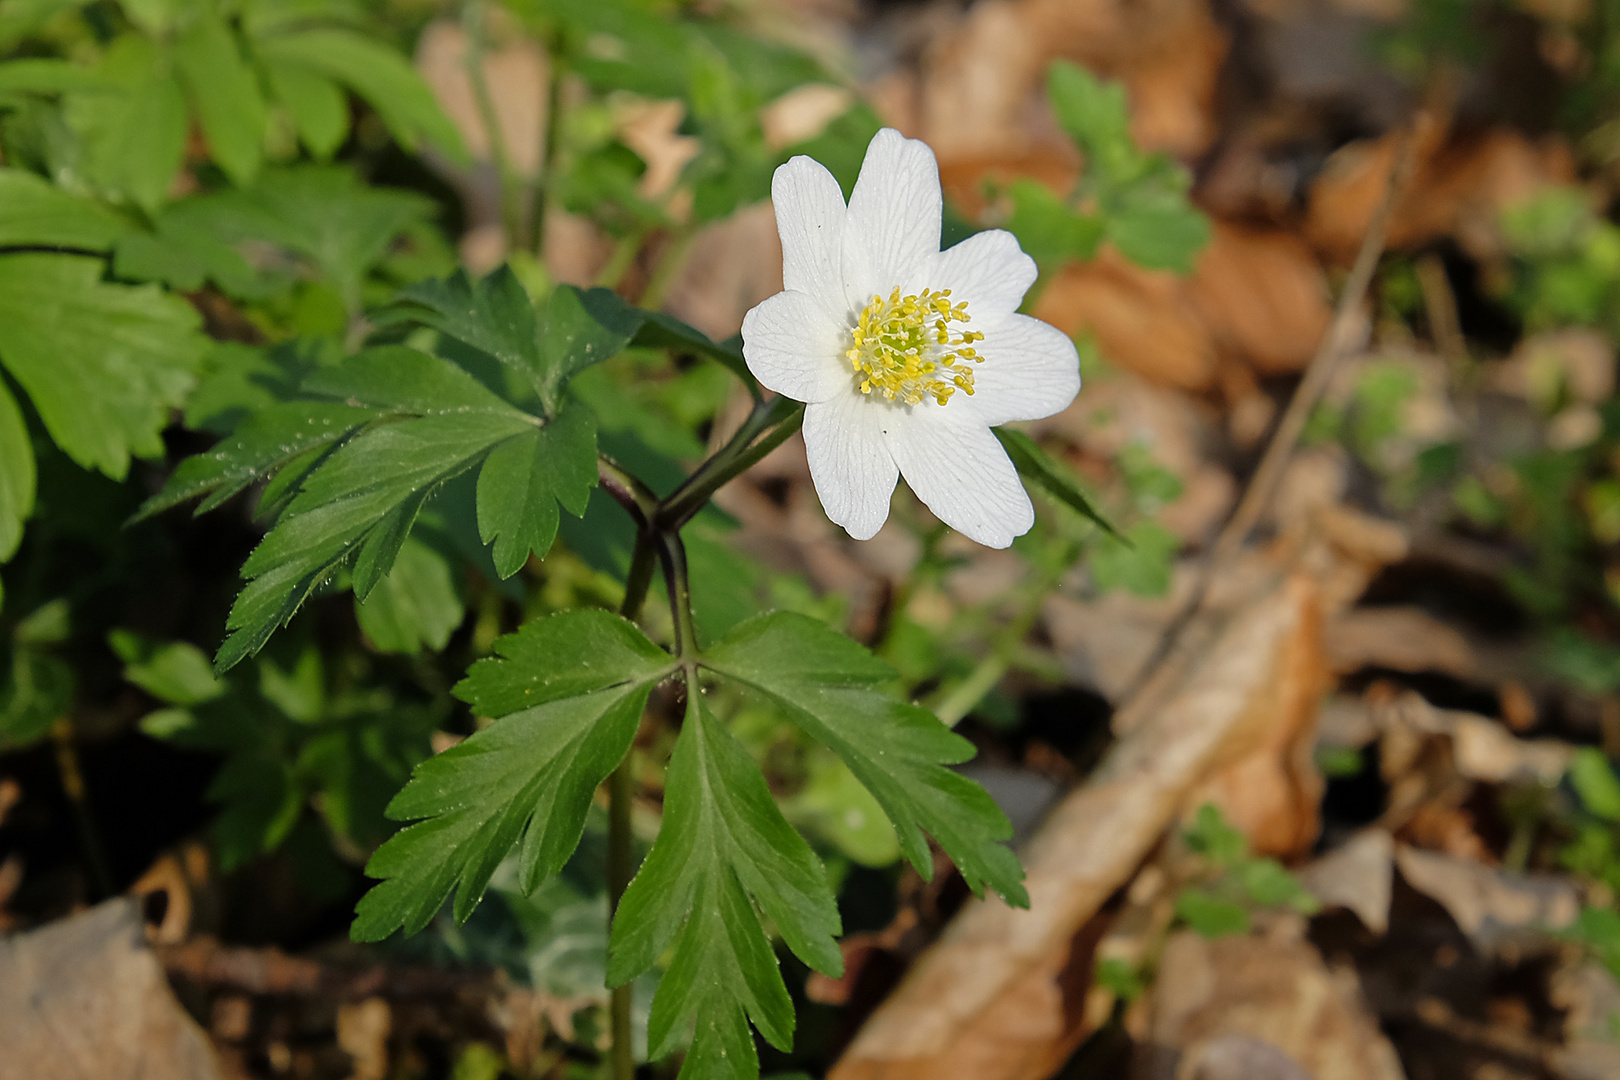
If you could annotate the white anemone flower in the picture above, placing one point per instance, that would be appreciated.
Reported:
(904, 355)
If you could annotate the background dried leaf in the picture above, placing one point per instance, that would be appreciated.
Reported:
(85, 997)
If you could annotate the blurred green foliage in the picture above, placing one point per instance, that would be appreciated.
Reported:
(1135, 201)
(1233, 883)
(1567, 261)
(226, 230)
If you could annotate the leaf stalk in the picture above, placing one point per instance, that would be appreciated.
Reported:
(620, 868)
(511, 183)
(545, 183)
(628, 490)
(639, 579)
(672, 556)
(621, 797)
(777, 418)
(658, 539)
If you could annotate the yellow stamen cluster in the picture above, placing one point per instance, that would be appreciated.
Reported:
(905, 349)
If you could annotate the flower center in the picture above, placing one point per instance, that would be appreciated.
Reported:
(905, 349)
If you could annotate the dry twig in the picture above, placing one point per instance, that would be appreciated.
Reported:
(992, 999)
(1280, 450)
(207, 962)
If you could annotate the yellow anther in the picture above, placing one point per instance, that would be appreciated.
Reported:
(902, 347)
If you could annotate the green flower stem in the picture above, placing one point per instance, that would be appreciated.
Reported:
(628, 491)
(778, 418)
(511, 183)
(620, 868)
(668, 266)
(619, 262)
(658, 536)
(971, 690)
(672, 556)
(621, 784)
(965, 696)
(639, 578)
(955, 703)
(544, 184)
(621, 796)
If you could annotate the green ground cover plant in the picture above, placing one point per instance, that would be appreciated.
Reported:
(228, 281)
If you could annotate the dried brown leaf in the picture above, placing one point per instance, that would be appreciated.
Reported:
(1459, 190)
(986, 1001)
(1263, 297)
(1274, 990)
(1142, 320)
(1359, 875)
(1399, 639)
(1490, 905)
(85, 997)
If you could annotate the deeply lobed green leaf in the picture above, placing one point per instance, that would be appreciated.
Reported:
(103, 364)
(36, 212)
(375, 72)
(224, 94)
(526, 780)
(724, 847)
(360, 503)
(348, 470)
(523, 481)
(1160, 232)
(656, 330)
(1135, 200)
(418, 604)
(491, 314)
(555, 658)
(528, 777)
(266, 441)
(1093, 112)
(134, 135)
(398, 379)
(320, 215)
(1048, 228)
(495, 317)
(827, 684)
(580, 327)
(583, 327)
(17, 478)
(361, 500)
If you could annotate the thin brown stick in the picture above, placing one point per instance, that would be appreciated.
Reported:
(73, 786)
(1440, 304)
(1280, 450)
(1438, 1016)
(204, 961)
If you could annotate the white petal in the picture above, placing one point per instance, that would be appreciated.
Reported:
(795, 348)
(960, 472)
(894, 217)
(1030, 370)
(852, 469)
(810, 220)
(988, 270)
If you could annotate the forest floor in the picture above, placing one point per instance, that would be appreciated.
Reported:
(1305, 813)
